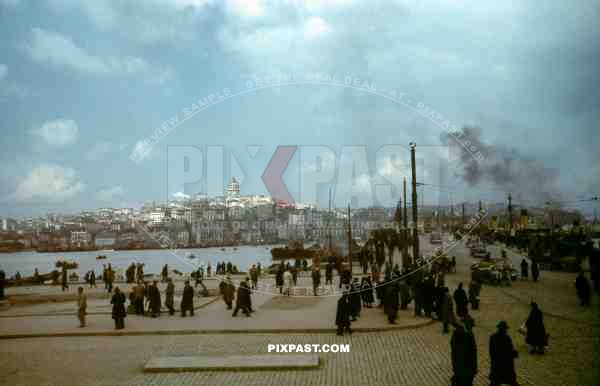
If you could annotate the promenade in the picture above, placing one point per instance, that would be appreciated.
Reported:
(414, 352)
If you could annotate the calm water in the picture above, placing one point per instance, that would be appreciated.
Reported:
(26, 262)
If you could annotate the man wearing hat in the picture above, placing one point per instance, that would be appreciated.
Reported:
(502, 355)
(464, 354)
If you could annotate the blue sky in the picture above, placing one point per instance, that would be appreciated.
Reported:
(83, 83)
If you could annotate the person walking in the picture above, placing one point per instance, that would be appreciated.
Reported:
(464, 356)
(367, 292)
(81, 306)
(154, 298)
(535, 270)
(474, 291)
(139, 292)
(288, 282)
(165, 273)
(279, 278)
(536, 331)
(329, 273)
(447, 316)
(118, 310)
(64, 278)
(461, 301)
(242, 300)
(583, 289)
(92, 279)
(187, 300)
(228, 291)
(254, 276)
(170, 296)
(390, 300)
(110, 277)
(355, 299)
(316, 279)
(342, 315)
(524, 270)
(502, 356)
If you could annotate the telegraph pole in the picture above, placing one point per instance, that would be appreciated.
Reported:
(463, 214)
(510, 218)
(329, 223)
(349, 239)
(405, 225)
(413, 145)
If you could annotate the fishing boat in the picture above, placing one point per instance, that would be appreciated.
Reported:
(101, 257)
(66, 264)
(190, 256)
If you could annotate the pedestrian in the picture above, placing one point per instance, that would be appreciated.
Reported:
(428, 290)
(254, 276)
(187, 300)
(404, 293)
(165, 273)
(118, 309)
(92, 279)
(279, 278)
(258, 269)
(464, 356)
(367, 292)
(536, 331)
(243, 299)
(583, 289)
(474, 291)
(209, 269)
(535, 270)
(288, 282)
(342, 315)
(170, 296)
(355, 299)
(329, 274)
(81, 306)
(228, 291)
(249, 286)
(154, 299)
(524, 270)
(198, 277)
(2, 283)
(391, 301)
(110, 277)
(448, 317)
(104, 276)
(461, 301)
(502, 356)
(229, 267)
(138, 297)
(64, 278)
(316, 279)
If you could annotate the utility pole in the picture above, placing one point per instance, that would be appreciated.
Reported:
(413, 145)
(463, 214)
(329, 223)
(405, 227)
(349, 239)
(510, 218)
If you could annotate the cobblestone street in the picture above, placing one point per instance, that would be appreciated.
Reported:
(405, 357)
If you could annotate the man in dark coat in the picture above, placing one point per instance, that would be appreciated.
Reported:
(355, 299)
(583, 289)
(342, 315)
(2, 283)
(367, 291)
(474, 291)
(535, 270)
(418, 295)
(170, 296)
(279, 278)
(461, 301)
(404, 293)
(524, 269)
(428, 288)
(118, 309)
(64, 278)
(536, 331)
(139, 293)
(502, 356)
(154, 298)
(243, 299)
(316, 279)
(228, 291)
(391, 300)
(329, 273)
(447, 311)
(187, 300)
(464, 357)
(229, 267)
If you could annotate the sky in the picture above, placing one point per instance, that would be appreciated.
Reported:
(84, 83)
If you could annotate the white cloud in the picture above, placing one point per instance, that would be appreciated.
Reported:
(48, 183)
(180, 196)
(109, 194)
(246, 8)
(315, 28)
(47, 47)
(60, 132)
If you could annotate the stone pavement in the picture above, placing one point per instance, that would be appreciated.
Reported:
(404, 357)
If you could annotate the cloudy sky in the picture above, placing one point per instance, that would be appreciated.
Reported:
(84, 83)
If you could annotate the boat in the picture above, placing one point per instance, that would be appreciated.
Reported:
(235, 249)
(190, 256)
(66, 264)
(101, 257)
(223, 249)
(107, 250)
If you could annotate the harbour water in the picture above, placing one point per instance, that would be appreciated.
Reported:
(153, 260)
